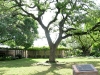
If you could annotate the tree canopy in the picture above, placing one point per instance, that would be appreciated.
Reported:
(16, 30)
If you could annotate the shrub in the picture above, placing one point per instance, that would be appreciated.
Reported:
(95, 53)
(19, 56)
(6, 57)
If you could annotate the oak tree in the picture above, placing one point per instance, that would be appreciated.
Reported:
(64, 17)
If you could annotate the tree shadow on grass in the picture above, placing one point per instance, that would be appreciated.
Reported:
(53, 68)
(2, 72)
(17, 63)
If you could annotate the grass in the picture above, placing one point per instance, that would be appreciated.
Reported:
(28, 66)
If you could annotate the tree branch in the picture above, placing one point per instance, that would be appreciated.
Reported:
(57, 1)
(6, 40)
(92, 37)
(83, 33)
(19, 5)
(55, 18)
(69, 29)
(61, 24)
(41, 23)
(95, 26)
(80, 40)
(78, 33)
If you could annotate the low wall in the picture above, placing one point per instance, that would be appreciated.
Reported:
(34, 53)
(44, 54)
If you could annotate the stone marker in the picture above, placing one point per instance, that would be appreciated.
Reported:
(87, 69)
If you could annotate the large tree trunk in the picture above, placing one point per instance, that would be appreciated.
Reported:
(52, 54)
(86, 50)
(52, 47)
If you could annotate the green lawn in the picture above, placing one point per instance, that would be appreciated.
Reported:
(30, 67)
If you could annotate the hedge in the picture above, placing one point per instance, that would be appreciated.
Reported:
(35, 48)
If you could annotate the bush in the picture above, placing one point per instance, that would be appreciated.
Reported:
(6, 57)
(2, 59)
(78, 52)
(95, 53)
(59, 56)
(38, 56)
(45, 48)
(18, 56)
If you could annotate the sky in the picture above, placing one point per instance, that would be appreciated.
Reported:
(42, 41)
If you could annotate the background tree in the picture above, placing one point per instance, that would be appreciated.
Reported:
(96, 45)
(66, 18)
(16, 30)
(85, 43)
